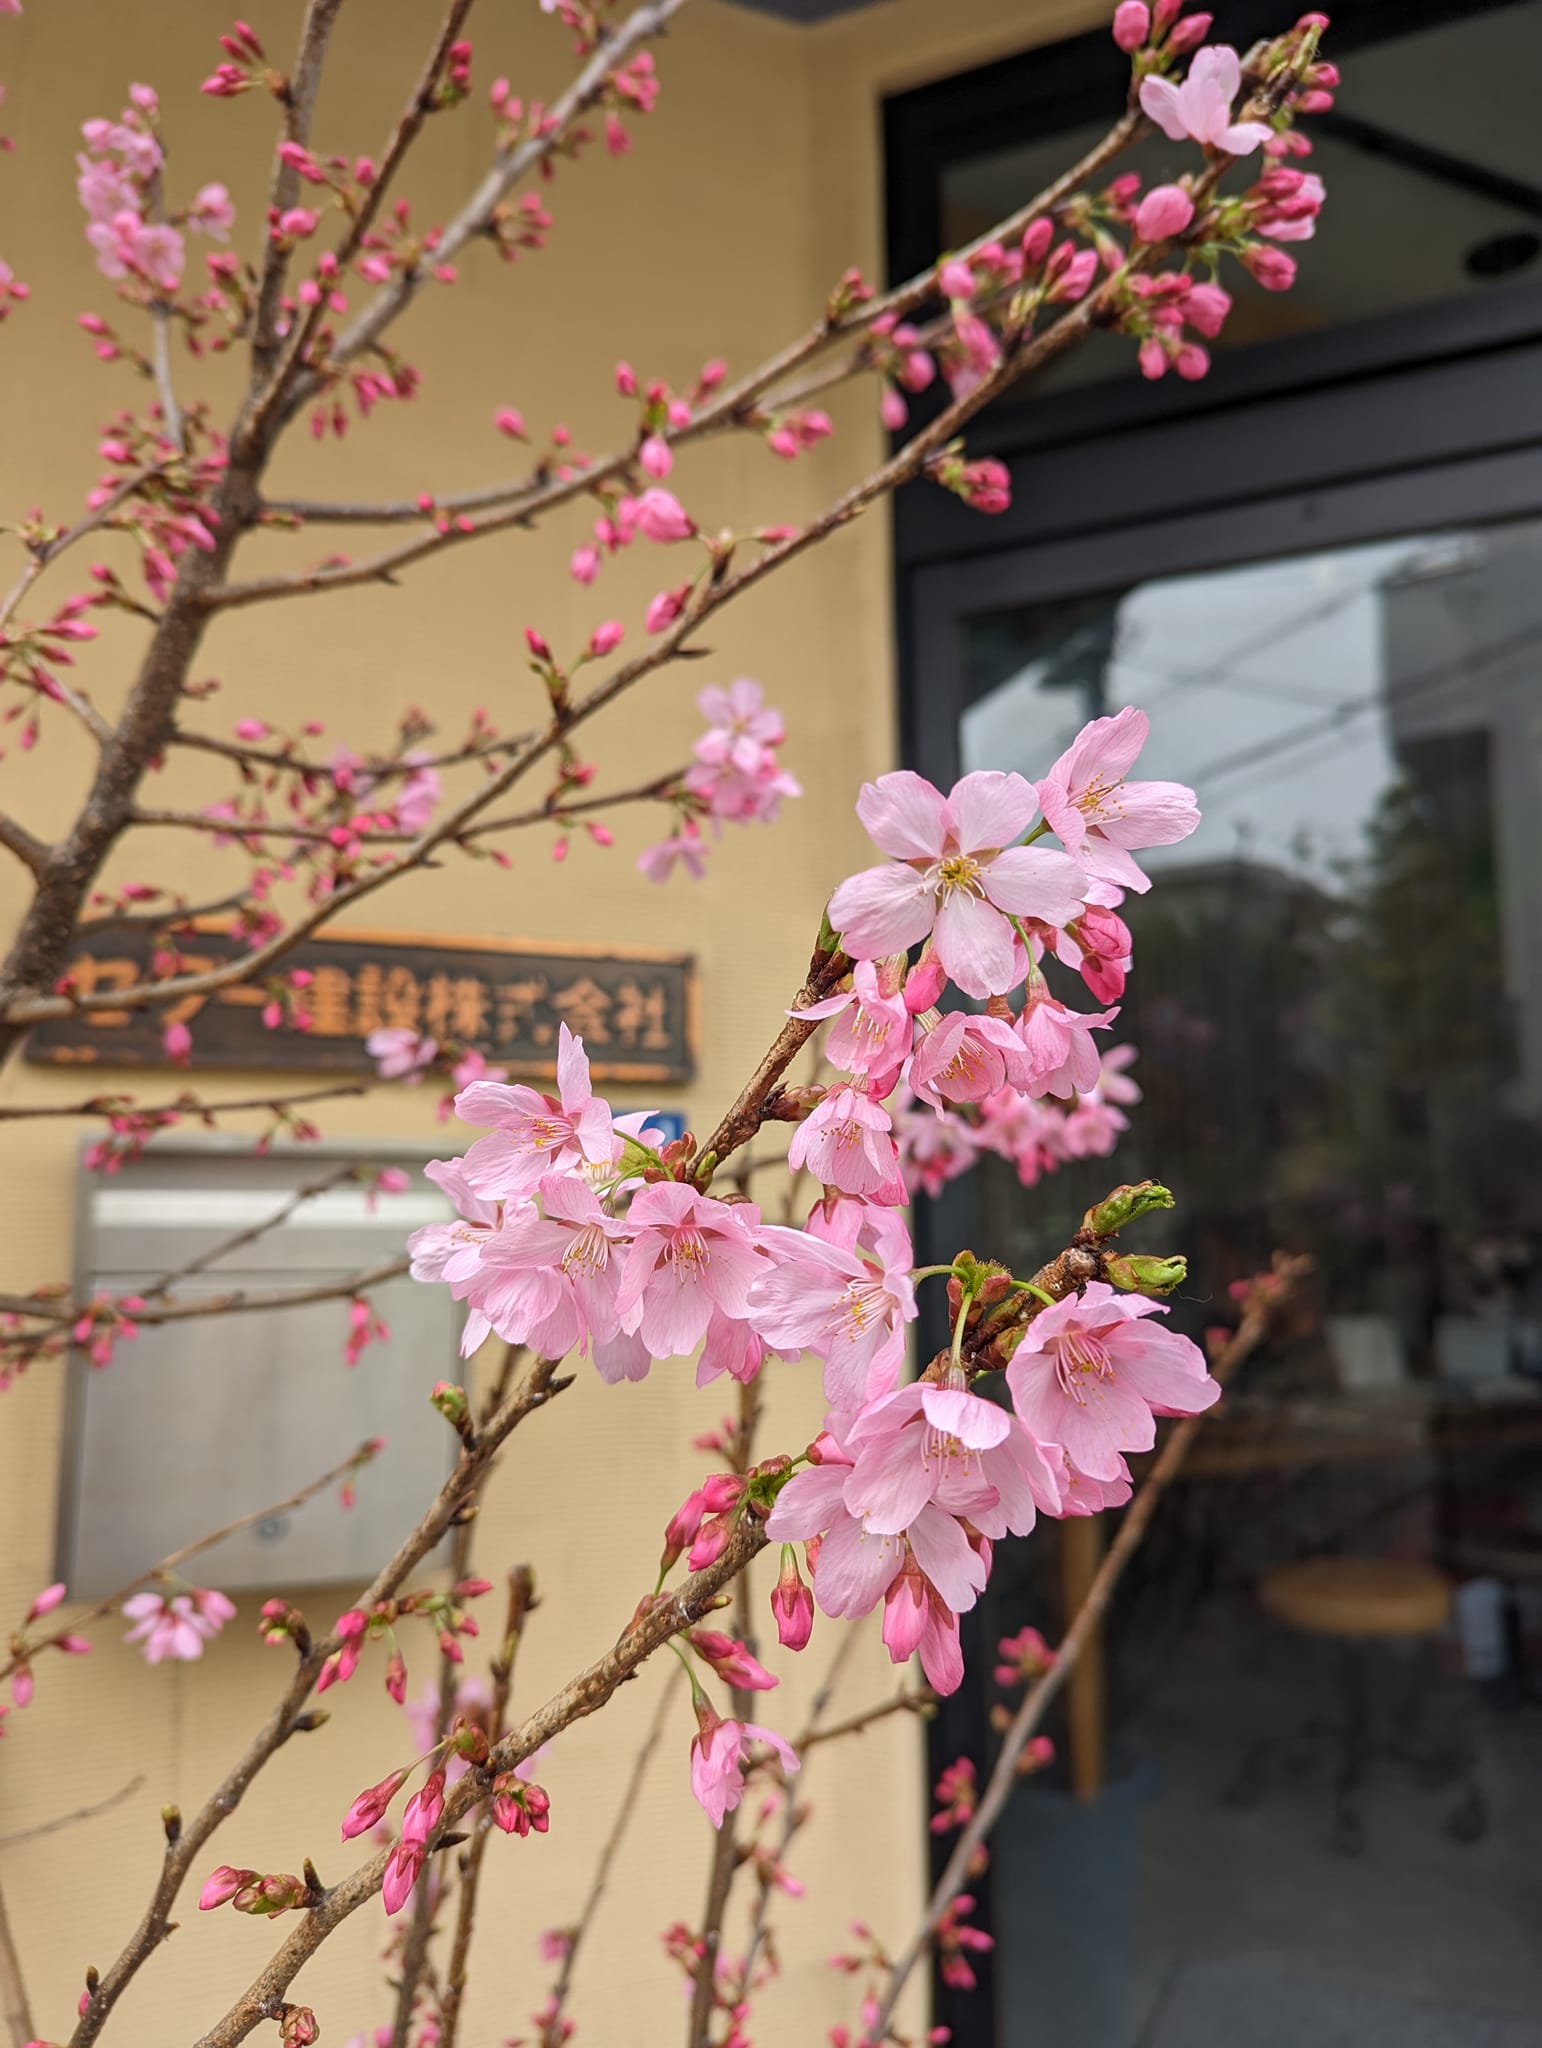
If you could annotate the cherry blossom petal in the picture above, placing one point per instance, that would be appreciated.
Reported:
(904, 815)
(990, 809)
(974, 944)
(854, 1569)
(1035, 881)
(1159, 100)
(882, 910)
(979, 1424)
(947, 1557)
(808, 1504)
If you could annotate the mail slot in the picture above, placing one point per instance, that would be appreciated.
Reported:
(196, 1423)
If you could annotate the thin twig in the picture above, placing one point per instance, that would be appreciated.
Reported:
(180, 1105)
(539, 1386)
(13, 1987)
(242, 1301)
(168, 1564)
(551, 2034)
(521, 1600)
(70, 1820)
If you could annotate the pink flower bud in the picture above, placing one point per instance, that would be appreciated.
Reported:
(584, 564)
(1189, 34)
(423, 1811)
(664, 609)
(661, 516)
(1272, 268)
(177, 1043)
(722, 1491)
(22, 1685)
(1037, 237)
(626, 380)
(1165, 211)
(537, 644)
(792, 1604)
(655, 456)
(46, 1601)
(251, 729)
(508, 420)
(1132, 24)
(372, 1805)
(606, 637)
(681, 1527)
(401, 1874)
(222, 1885)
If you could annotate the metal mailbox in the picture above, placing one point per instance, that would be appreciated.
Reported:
(194, 1424)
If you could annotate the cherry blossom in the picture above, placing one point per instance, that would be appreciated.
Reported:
(954, 875)
(847, 1308)
(872, 1034)
(689, 1254)
(1057, 1043)
(1098, 816)
(548, 1278)
(847, 1142)
(1200, 108)
(535, 1133)
(719, 1754)
(964, 1058)
(1091, 1374)
(176, 1626)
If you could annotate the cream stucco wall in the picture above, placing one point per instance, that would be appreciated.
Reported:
(757, 182)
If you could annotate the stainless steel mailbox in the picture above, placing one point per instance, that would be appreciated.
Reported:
(194, 1424)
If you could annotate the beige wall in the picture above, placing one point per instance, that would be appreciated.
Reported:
(758, 181)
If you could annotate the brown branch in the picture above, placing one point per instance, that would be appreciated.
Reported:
(509, 166)
(241, 1302)
(31, 851)
(551, 2035)
(73, 1819)
(13, 1987)
(586, 1693)
(736, 404)
(921, 1702)
(180, 1105)
(1251, 1332)
(337, 1178)
(539, 1386)
(1020, 357)
(169, 1563)
(284, 186)
(419, 105)
(521, 1600)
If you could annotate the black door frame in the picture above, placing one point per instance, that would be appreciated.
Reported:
(1423, 420)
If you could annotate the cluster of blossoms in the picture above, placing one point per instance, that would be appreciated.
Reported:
(735, 777)
(119, 187)
(578, 1229)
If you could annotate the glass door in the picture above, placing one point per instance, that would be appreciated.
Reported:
(1265, 1825)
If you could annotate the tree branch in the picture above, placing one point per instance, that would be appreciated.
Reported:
(284, 185)
(551, 2032)
(169, 1564)
(539, 1386)
(31, 851)
(180, 1105)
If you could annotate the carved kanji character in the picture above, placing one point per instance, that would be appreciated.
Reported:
(642, 1015)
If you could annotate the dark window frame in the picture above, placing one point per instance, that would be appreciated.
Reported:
(1420, 419)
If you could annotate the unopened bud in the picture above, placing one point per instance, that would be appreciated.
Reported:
(1146, 1275)
(171, 1821)
(453, 1405)
(792, 1604)
(1124, 1205)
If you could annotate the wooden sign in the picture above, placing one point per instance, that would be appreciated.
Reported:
(634, 1010)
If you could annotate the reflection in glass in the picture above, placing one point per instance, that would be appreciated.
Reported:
(1337, 1000)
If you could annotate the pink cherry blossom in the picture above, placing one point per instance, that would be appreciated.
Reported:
(176, 1627)
(847, 1142)
(548, 1277)
(850, 1309)
(685, 846)
(1061, 1056)
(689, 1255)
(872, 1033)
(741, 727)
(964, 1058)
(941, 1445)
(719, 1754)
(955, 875)
(535, 1134)
(1098, 815)
(400, 1053)
(1091, 1373)
(1200, 108)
